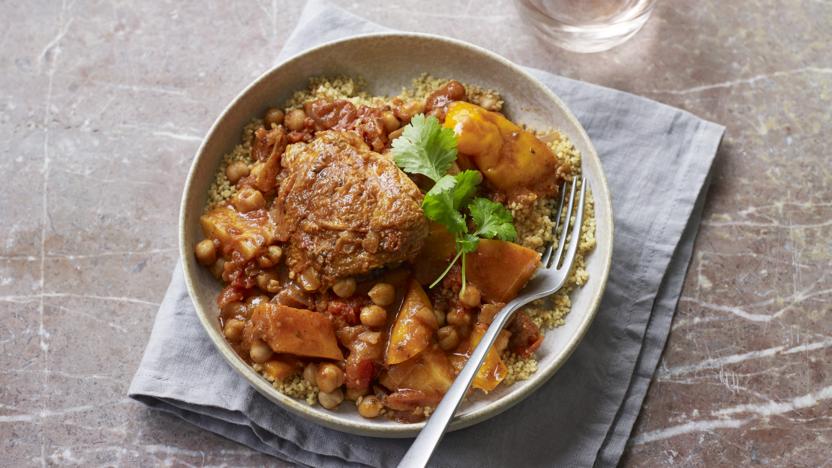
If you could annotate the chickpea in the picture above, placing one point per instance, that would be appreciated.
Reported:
(310, 373)
(234, 309)
(330, 400)
(440, 316)
(236, 171)
(329, 377)
(412, 108)
(271, 257)
(373, 316)
(205, 252)
(448, 337)
(260, 352)
(274, 253)
(248, 199)
(268, 281)
(390, 121)
(458, 317)
(344, 287)
(273, 117)
(309, 280)
(233, 330)
(369, 406)
(382, 294)
(395, 134)
(295, 120)
(470, 296)
(426, 316)
(218, 268)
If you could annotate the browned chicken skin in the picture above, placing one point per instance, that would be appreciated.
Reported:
(345, 210)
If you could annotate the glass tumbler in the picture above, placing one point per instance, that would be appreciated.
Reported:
(587, 25)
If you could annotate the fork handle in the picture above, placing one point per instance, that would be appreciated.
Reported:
(427, 440)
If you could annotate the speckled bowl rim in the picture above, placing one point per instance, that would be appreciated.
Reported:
(333, 421)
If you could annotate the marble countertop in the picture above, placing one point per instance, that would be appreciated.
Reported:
(102, 106)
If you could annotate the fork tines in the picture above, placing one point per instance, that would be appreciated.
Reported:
(549, 260)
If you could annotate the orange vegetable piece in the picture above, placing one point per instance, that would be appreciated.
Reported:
(493, 370)
(293, 331)
(247, 233)
(500, 269)
(413, 327)
(281, 368)
(508, 156)
(430, 371)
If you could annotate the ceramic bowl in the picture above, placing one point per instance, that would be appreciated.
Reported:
(388, 62)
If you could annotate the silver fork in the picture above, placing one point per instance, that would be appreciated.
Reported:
(550, 277)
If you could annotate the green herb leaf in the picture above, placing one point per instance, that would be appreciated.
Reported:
(438, 205)
(467, 243)
(492, 220)
(425, 147)
(466, 187)
(448, 195)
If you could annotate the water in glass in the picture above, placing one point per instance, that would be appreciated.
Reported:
(587, 25)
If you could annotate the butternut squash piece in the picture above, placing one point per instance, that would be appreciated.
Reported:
(247, 233)
(493, 370)
(281, 368)
(293, 331)
(413, 327)
(430, 371)
(438, 250)
(508, 156)
(500, 269)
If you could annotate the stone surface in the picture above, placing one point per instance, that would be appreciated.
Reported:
(102, 106)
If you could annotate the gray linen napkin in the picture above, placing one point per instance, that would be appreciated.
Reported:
(657, 160)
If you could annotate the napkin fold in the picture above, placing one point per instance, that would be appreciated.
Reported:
(657, 160)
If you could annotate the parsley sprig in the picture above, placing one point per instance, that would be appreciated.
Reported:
(427, 148)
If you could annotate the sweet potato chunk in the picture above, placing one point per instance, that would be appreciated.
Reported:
(508, 156)
(247, 233)
(413, 327)
(295, 331)
(500, 269)
(493, 370)
(281, 368)
(429, 372)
